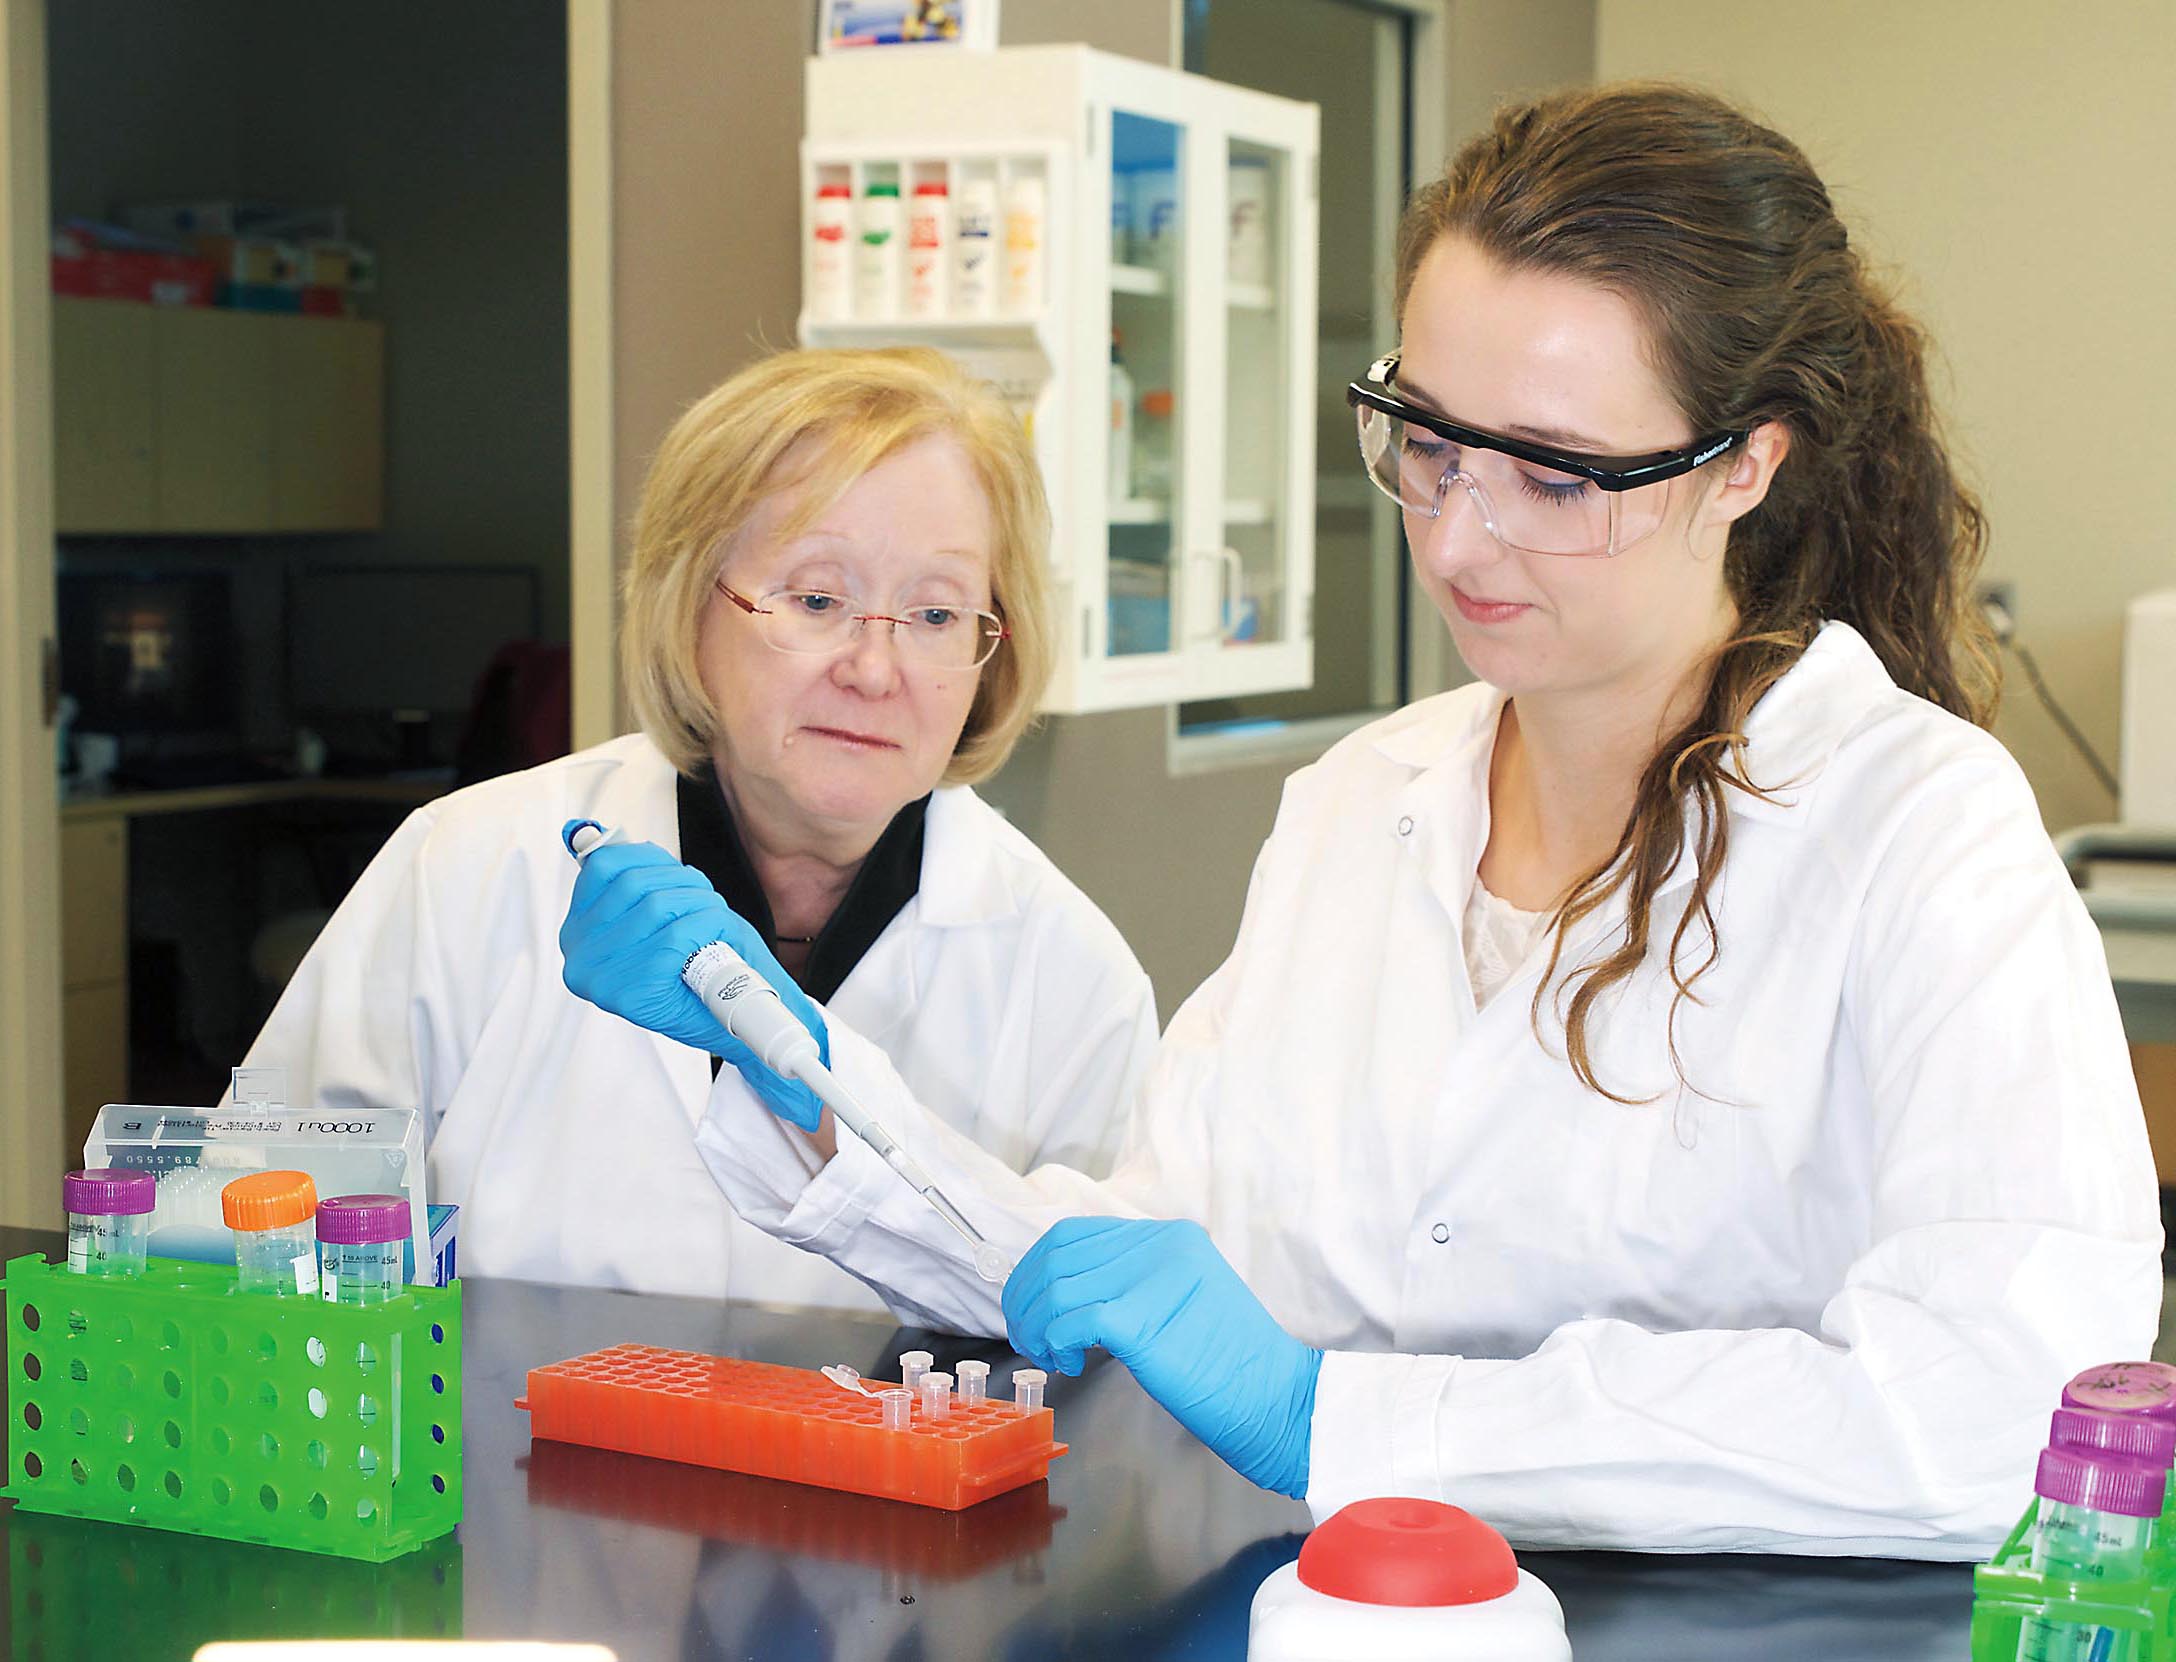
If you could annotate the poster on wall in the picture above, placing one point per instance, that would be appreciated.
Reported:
(849, 25)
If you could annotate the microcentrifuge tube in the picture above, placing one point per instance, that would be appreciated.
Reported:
(897, 1407)
(936, 1396)
(1027, 1389)
(974, 1382)
(912, 1365)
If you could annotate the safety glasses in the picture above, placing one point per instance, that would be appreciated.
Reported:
(1532, 498)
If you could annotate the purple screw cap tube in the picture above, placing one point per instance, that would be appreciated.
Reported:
(2095, 1523)
(2100, 1483)
(2139, 1437)
(359, 1239)
(2125, 1388)
(109, 1219)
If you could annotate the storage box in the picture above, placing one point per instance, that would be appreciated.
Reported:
(326, 265)
(184, 222)
(194, 1153)
(253, 262)
(85, 267)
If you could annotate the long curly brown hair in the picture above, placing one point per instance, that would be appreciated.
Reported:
(1758, 309)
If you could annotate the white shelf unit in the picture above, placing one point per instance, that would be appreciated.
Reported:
(1202, 587)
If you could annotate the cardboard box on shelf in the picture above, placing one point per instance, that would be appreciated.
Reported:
(87, 266)
(260, 297)
(327, 265)
(253, 261)
(186, 221)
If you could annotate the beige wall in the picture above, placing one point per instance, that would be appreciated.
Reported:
(2012, 161)
(1501, 49)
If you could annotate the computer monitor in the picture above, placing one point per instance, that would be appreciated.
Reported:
(149, 654)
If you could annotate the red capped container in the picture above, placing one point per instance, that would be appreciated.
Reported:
(1401, 1580)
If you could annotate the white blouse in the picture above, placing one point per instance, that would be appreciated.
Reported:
(1500, 937)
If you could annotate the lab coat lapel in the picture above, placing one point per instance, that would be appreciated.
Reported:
(962, 885)
(1441, 816)
(1790, 737)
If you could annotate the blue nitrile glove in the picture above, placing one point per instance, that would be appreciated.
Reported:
(636, 916)
(1162, 1299)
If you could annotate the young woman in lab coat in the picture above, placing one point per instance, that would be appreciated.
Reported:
(1665, 1094)
(811, 763)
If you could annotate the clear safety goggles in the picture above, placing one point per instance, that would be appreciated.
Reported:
(938, 635)
(1532, 498)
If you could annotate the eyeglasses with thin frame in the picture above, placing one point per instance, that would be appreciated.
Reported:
(817, 623)
(1533, 498)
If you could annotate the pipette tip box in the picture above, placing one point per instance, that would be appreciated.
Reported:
(788, 1423)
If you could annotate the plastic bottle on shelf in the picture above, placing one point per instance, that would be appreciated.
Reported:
(1025, 234)
(830, 258)
(1247, 253)
(1121, 433)
(974, 248)
(876, 252)
(109, 1219)
(1155, 192)
(1152, 466)
(275, 1245)
(928, 253)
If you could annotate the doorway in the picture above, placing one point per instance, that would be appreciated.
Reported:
(337, 625)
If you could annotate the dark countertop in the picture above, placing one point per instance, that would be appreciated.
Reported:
(1141, 1544)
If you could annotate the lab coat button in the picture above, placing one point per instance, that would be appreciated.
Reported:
(1405, 826)
(1440, 1234)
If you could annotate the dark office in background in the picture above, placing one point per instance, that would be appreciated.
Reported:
(310, 442)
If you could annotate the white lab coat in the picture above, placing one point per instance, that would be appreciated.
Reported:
(565, 1134)
(1819, 1299)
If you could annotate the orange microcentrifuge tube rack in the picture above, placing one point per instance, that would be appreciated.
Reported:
(789, 1423)
(807, 1522)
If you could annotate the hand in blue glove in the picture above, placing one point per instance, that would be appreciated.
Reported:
(636, 916)
(1162, 1299)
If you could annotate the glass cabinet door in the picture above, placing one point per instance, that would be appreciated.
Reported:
(1250, 603)
(1143, 489)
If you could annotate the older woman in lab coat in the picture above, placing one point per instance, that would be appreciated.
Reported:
(834, 622)
(1665, 1094)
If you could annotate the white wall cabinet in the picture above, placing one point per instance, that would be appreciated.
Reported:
(1180, 215)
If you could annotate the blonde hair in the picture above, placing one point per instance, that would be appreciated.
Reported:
(721, 461)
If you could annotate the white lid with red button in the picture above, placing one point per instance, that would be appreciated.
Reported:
(1405, 1579)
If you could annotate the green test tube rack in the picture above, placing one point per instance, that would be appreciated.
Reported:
(171, 1399)
(2007, 1592)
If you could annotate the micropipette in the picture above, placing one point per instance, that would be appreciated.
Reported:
(753, 1013)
